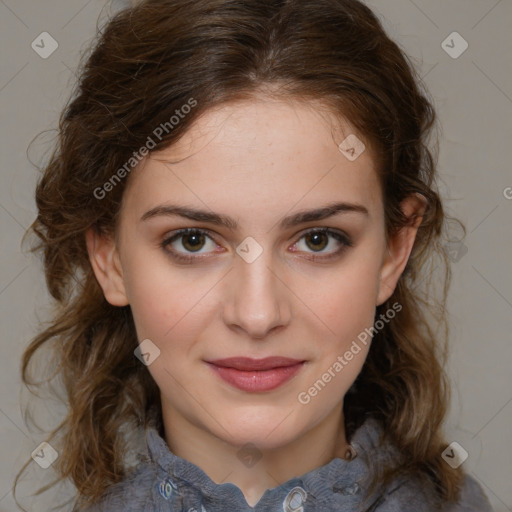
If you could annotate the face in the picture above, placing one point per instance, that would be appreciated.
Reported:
(263, 270)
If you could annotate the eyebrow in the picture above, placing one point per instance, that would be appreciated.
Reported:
(301, 217)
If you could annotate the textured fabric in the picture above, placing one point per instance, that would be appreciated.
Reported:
(164, 482)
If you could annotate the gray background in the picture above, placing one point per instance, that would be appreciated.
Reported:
(473, 99)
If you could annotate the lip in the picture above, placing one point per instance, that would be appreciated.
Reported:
(256, 375)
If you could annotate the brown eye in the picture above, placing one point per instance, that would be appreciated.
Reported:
(322, 244)
(184, 243)
(193, 241)
(317, 241)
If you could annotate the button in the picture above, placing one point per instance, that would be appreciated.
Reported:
(350, 453)
(167, 487)
(294, 500)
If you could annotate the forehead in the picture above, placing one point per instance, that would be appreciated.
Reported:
(260, 152)
(281, 125)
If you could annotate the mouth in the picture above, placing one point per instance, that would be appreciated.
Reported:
(256, 375)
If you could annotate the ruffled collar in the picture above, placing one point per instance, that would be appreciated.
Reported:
(337, 478)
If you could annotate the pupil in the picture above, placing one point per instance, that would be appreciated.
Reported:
(316, 239)
(197, 240)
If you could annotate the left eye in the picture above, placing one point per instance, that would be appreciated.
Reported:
(320, 239)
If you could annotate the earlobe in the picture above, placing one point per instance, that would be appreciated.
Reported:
(104, 259)
(400, 247)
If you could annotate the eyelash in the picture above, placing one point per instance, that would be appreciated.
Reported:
(340, 237)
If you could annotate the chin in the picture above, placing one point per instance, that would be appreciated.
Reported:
(267, 431)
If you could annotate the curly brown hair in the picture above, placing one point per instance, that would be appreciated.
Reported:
(147, 62)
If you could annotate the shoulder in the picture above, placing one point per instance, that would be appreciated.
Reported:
(410, 491)
(410, 494)
(473, 498)
(133, 494)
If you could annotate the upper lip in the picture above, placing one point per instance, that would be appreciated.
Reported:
(249, 364)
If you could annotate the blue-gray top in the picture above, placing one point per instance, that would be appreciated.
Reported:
(165, 482)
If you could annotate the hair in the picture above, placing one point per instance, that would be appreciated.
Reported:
(147, 63)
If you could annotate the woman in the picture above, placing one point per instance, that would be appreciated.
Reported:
(244, 192)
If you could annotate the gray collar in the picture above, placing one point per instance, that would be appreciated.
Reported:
(184, 482)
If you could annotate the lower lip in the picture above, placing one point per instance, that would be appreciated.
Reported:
(261, 380)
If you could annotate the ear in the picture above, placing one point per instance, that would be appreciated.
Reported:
(400, 246)
(105, 262)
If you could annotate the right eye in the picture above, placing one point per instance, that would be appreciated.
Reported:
(185, 242)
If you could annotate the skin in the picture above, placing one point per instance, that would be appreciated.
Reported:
(256, 161)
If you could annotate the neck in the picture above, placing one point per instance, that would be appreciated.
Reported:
(221, 461)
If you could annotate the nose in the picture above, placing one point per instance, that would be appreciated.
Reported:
(257, 300)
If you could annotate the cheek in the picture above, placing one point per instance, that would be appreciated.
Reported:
(151, 291)
(166, 303)
(151, 309)
(346, 303)
(348, 297)
(347, 309)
